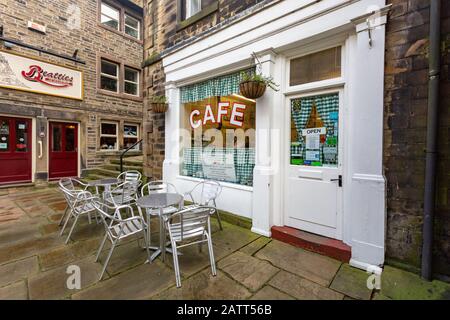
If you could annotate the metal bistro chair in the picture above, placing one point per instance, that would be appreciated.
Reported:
(188, 227)
(118, 228)
(159, 186)
(125, 193)
(80, 203)
(73, 185)
(130, 176)
(206, 193)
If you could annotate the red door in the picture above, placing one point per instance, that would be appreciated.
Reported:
(15, 150)
(63, 151)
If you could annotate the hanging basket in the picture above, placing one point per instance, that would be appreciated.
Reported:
(159, 107)
(252, 89)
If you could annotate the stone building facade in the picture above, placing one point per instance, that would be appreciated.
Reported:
(75, 26)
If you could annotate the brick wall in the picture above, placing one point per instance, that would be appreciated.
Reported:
(406, 92)
(92, 41)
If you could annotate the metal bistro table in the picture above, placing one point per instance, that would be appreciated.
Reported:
(105, 183)
(159, 201)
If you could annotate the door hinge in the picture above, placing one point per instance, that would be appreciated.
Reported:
(339, 180)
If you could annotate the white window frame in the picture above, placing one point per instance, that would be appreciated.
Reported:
(126, 25)
(110, 76)
(136, 147)
(103, 3)
(189, 8)
(110, 135)
(137, 83)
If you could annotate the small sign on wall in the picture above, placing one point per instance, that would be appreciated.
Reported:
(37, 27)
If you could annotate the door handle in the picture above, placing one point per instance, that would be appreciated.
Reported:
(339, 180)
(40, 149)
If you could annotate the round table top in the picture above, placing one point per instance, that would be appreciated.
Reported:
(159, 200)
(104, 182)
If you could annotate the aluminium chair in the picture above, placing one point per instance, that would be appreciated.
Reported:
(125, 193)
(205, 193)
(189, 227)
(129, 176)
(73, 185)
(118, 228)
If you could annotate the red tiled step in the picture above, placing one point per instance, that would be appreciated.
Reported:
(330, 247)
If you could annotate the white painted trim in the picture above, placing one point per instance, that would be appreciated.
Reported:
(370, 268)
(262, 232)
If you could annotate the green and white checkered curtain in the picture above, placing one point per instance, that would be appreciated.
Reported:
(327, 104)
(219, 86)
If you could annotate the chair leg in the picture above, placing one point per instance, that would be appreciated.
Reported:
(64, 214)
(71, 229)
(147, 244)
(89, 217)
(218, 215)
(101, 247)
(176, 266)
(107, 259)
(211, 255)
(65, 223)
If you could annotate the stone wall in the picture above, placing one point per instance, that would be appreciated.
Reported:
(406, 92)
(64, 36)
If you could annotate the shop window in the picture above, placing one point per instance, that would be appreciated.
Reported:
(315, 130)
(108, 136)
(130, 135)
(219, 138)
(316, 67)
(109, 76)
(132, 26)
(131, 81)
(4, 135)
(110, 16)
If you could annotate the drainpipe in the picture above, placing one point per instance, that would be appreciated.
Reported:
(431, 148)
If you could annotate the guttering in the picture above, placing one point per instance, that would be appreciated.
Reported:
(432, 134)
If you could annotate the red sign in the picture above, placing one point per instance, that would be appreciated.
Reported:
(58, 80)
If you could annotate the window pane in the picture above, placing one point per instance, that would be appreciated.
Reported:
(192, 7)
(70, 138)
(21, 136)
(128, 142)
(109, 68)
(130, 130)
(131, 75)
(219, 139)
(4, 135)
(108, 84)
(108, 143)
(315, 67)
(132, 32)
(131, 22)
(314, 130)
(131, 88)
(110, 22)
(56, 138)
(110, 16)
(109, 128)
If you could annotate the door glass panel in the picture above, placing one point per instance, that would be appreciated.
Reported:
(4, 135)
(70, 137)
(56, 137)
(314, 130)
(21, 136)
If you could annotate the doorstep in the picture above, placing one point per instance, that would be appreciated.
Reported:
(330, 247)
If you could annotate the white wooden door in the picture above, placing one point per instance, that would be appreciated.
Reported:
(313, 182)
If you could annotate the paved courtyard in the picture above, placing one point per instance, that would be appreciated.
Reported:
(34, 260)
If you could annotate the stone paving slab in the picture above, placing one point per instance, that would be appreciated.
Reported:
(303, 289)
(138, 283)
(18, 270)
(352, 282)
(124, 257)
(52, 284)
(270, 293)
(255, 246)
(309, 265)
(247, 270)
(15, 291)
(205, 286)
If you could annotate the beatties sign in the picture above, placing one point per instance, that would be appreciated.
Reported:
(58, 80)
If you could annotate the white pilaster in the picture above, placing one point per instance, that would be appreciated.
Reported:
(172, 133)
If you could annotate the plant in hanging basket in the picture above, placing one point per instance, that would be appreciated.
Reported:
(159, 104)
(254, 85)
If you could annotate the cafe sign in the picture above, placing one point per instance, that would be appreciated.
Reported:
(27, 74)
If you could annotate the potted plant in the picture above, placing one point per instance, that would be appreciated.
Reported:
(159, 104)
(253, 85)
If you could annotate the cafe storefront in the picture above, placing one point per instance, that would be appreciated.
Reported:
(308, 156)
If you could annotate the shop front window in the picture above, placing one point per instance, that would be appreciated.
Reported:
(219, 139)
(4, 135)
(108, 136)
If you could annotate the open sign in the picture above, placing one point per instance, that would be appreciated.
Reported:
(311, 131)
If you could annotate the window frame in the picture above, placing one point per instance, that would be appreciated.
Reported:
(107, 4)
(109, 135)
(137, 125)
(102, 74)
(138, 29)
(138, 83)
(205, 11)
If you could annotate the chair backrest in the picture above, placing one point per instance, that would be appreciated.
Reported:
(210, 191)
(129, 176)
(66, 183)
(158, 186)
(192, 222)
(111, 220)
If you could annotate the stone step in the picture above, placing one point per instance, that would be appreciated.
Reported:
(127, 162)
(116, 167)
